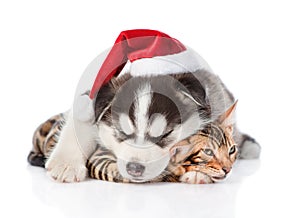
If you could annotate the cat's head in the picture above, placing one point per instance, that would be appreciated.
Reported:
(209, 155)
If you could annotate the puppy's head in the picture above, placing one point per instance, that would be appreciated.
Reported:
(140, 118)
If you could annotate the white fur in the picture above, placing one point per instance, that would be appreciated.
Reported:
(143, 96)
(68, 159)
(158, 125)
(106, 136)
(126, 124)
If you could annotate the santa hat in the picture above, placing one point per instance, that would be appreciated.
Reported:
(141, 52)
(149, 52)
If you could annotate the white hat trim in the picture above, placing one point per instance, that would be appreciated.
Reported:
(186, 61)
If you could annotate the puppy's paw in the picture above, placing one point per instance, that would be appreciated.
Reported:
(66, 171)
(194, 177)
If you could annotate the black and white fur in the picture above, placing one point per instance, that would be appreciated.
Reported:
(139, 119)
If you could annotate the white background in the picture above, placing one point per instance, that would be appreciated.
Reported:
(253, 45)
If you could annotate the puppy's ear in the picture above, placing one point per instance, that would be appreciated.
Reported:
(191, 88)
(103, 100)
(106, 95)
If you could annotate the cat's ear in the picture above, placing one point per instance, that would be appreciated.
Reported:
(227, 119)
(180, 151)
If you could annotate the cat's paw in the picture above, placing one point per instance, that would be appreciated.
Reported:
(112, 172)
(66, 171)
(250, 149)
(194, 177)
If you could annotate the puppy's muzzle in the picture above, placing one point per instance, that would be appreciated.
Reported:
(135, 169)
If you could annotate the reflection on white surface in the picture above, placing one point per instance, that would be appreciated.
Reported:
(148, 200)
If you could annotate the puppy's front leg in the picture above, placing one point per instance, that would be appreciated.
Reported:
(67, 162)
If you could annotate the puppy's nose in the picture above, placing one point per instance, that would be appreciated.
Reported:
(135, 169)
(226, 169)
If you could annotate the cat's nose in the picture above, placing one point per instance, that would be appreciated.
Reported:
(135, 169)
(226, 169)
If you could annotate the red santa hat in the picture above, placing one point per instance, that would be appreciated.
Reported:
(149, 52)
(140, 52)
